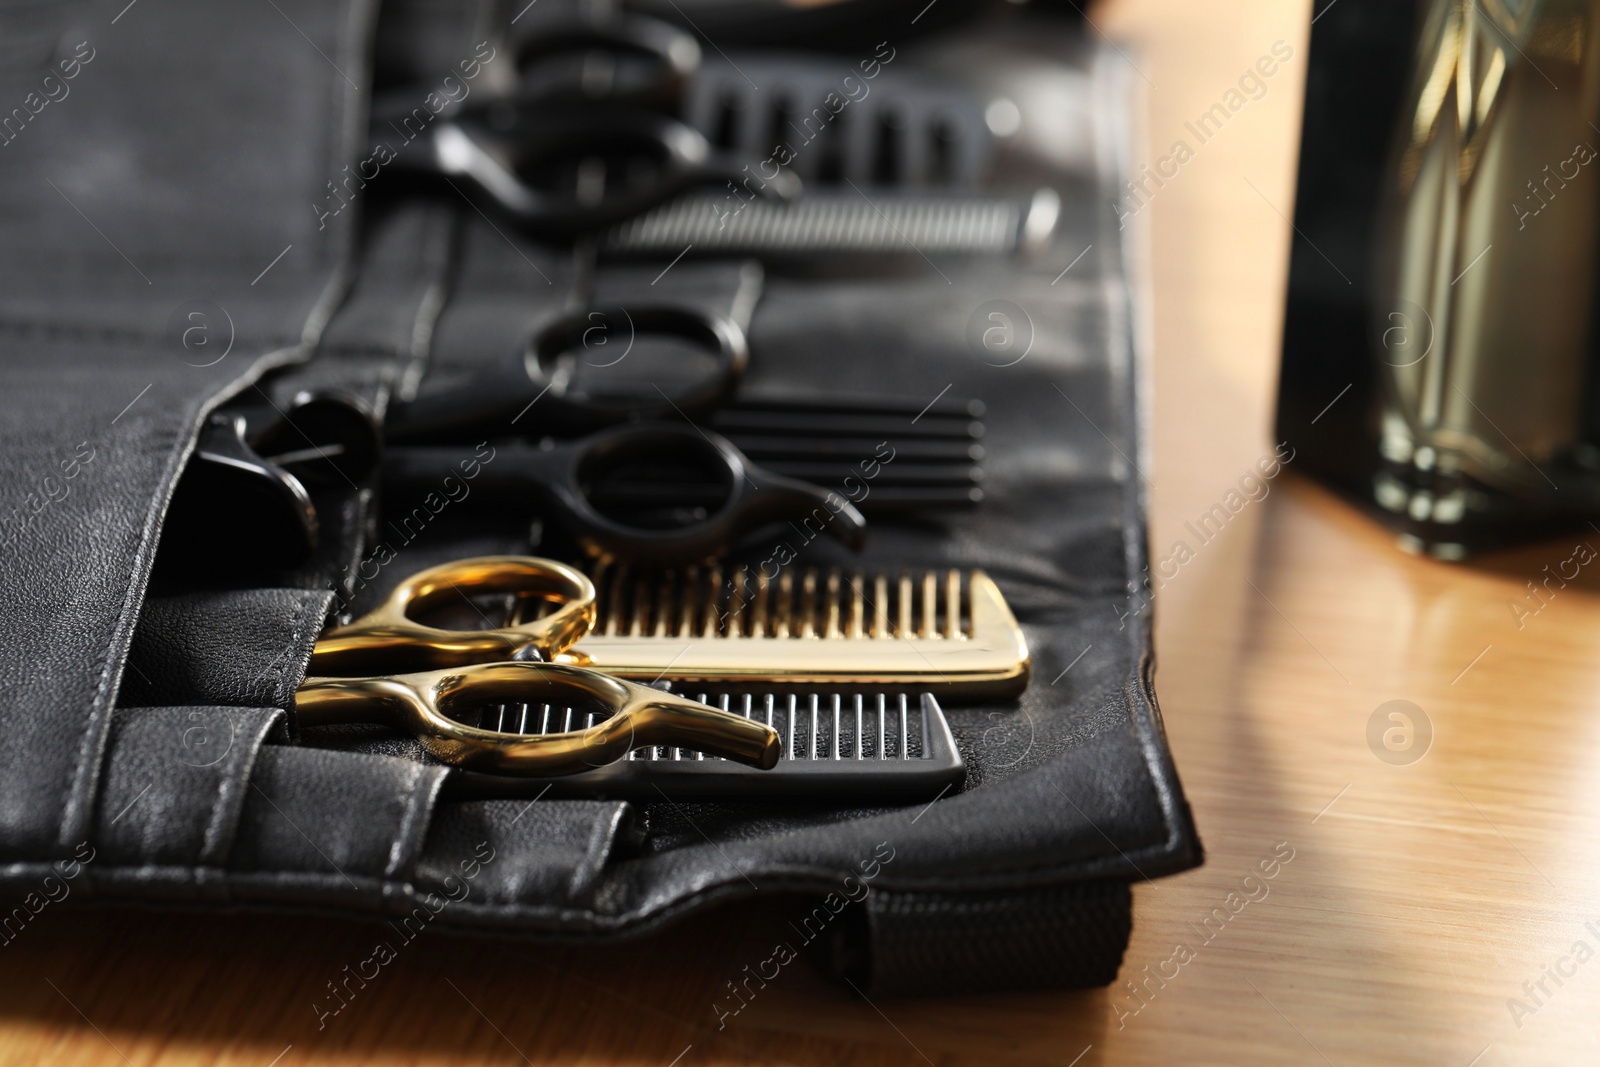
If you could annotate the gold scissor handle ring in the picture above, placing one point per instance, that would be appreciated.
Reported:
(389, 639)
(429, 703)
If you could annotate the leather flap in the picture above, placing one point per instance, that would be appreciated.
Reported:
(174, 783)
(352, 815)
(140, 288)
(544, 852)
(246, 648)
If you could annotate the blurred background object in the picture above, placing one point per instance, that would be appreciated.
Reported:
(1438, 345)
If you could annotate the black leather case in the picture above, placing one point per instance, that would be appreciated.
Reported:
(174, 179)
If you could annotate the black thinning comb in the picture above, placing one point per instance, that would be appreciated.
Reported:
(833, 224)
(836, 747)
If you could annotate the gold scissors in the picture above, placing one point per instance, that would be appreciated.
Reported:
(387, 668)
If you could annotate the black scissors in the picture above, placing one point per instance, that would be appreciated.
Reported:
(546, 383)
(621, 58)
(656, 492)
(567, 169)
(244, 498)
(632, 485)
(572, 149)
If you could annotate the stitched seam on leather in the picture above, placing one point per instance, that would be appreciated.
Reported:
(600, 836)
(112, 335)
(77, 795)
(356, 350)
(219, 807)
(415, 800)
(428, 269)
(223, 811)
(74, 798)
(127, 616)
(288, 660)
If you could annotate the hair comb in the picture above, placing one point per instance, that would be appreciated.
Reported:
(835, 746)
(715, 627)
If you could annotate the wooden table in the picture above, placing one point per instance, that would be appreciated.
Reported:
(1420, 896)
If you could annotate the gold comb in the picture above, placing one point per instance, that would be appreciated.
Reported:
(828, 628)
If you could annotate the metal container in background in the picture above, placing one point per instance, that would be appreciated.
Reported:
(1485, 274)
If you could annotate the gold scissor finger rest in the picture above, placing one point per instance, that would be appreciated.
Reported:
(389, 639)
(422, 703)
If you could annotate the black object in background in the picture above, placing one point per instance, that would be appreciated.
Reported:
(1360, 61)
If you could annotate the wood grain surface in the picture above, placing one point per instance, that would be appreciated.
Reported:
(1409, 901)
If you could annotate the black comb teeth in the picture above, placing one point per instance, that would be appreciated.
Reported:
(836, 746)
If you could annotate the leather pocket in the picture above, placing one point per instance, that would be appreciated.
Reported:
(99, 326)
(334, 820)
(246, 648)
(172, 792)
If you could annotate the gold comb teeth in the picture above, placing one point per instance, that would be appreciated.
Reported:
(931, 630)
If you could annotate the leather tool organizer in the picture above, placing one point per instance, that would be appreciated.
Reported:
(148, 710)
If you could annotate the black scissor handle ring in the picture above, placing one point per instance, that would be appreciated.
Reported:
(754, 498)
(530, 130)
(674, 52)
(715, 332)
(601, 535)
(493, 147)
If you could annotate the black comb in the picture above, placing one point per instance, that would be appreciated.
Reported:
(836, 747)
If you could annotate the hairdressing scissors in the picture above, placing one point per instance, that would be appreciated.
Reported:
(575, 146)
(243, 501)
(561, 169)
(615, 57)
(547, 379)
(438, 678)
(638, 489)
(649, 492)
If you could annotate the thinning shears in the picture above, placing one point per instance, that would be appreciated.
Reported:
(547, 389)
(611, 469)
(656, 492)
(584, 140)
(388, 668)
(563, 170)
